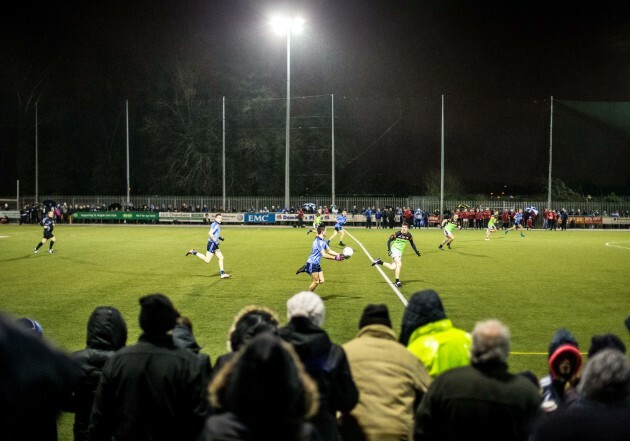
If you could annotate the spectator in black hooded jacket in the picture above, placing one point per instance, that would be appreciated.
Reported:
(106, 333)
(183, 337)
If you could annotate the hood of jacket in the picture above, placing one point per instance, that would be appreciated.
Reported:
(308, 339)
(184, 338)
(424, 307)
(106, 329)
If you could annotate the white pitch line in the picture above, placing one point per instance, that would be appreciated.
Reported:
(613, 245)
(378, 267)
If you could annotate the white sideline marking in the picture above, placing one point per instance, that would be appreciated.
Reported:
(378, 267)
(614, 245)
(2, 237)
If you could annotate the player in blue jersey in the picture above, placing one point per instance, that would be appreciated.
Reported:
(48, 223)
(341, 221)
(319, 249)
(518, 223)
(214, 236)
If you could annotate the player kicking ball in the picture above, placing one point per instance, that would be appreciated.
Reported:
(319, 249)
(395, 247)
(214, 236)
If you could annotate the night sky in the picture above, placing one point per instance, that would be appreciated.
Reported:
(473, 52)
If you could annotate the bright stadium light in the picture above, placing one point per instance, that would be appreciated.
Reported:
(284, 25)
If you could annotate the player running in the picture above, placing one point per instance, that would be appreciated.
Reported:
(341, 221)
(48, 223)
(214, 236)
(449, 226)
(491, 226)
(518, 220)
(319, 220)
(400, 241)
(319, 249)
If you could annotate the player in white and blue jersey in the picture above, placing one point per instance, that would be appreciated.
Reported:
(214, 236)
(319, 249)
(518, 221)
(341, 221)
(48, 222)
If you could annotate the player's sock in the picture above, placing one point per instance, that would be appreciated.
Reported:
(341, 244)
(522, 235)
(506, 232)
(440, 247)
(39, 245)
(52, 244)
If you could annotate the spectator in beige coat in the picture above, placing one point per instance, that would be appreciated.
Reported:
(390, 379)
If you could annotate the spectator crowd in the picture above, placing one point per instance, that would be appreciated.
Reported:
(291, 381)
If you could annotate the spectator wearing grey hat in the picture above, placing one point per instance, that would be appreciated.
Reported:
(324, 361)
(152, 390)
(390, 379)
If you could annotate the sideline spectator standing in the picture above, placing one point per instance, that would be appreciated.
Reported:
(35, 379)
(481, 401)
(324, 361)
(106, 333)
(368, 218)
(390, 379)
(264, 394)
(183, 338)
(431, 337)
(152, 390)
(601, 413)
(564, 362)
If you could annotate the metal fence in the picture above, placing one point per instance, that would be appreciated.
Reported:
(271, 203)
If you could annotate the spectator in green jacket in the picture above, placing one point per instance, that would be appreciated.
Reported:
(429, 335)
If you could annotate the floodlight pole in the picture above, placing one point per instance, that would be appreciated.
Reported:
(36, 156)
(550, 152)
(442, 161)
(127, 138)
(288, 123)
(332, 136)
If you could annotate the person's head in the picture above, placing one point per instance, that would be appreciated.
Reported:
(455, 217)
(218, 218)
(51, 214)
(185, 322)
(249, 322)
(375, 315)
(157, 314)
(344, 212)
(424, 307)
(268, 367)
(490, 342)
(404, 228)
(606, 377)
(321, 229)
(106, 329)
(30, 325)
(307, 304)
(605, 341)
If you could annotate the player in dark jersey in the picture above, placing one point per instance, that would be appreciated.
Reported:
(395, 247)
(48, 223)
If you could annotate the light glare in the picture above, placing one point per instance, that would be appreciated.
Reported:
(281, 25)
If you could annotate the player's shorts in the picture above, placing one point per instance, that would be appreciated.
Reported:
(448, 233)
(315, 226)
(517, 223)
(48, 235)
(338, 228)
(212, 247)
(492, 228)
(396, 254)
(313, 268)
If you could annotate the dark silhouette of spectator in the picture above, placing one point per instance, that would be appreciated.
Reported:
(390, 379)
(248, 322)
(263, 393)
(431, 337)
(106, 333)
(605, 341)
(324, 361)
(603, 409)
(481, 401)
(627, 323)
(35, 380)
(183, 337)
(152, 390)
(564, 362)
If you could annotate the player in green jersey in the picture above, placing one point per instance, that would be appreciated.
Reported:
(319, 220)
(449, 226)
(395, 247)
(491, 226)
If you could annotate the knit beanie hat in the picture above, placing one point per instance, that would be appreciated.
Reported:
(605, 341)
(157, 314)
(250, 325)
(375, 315)
(424, 307)
(306, 304)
